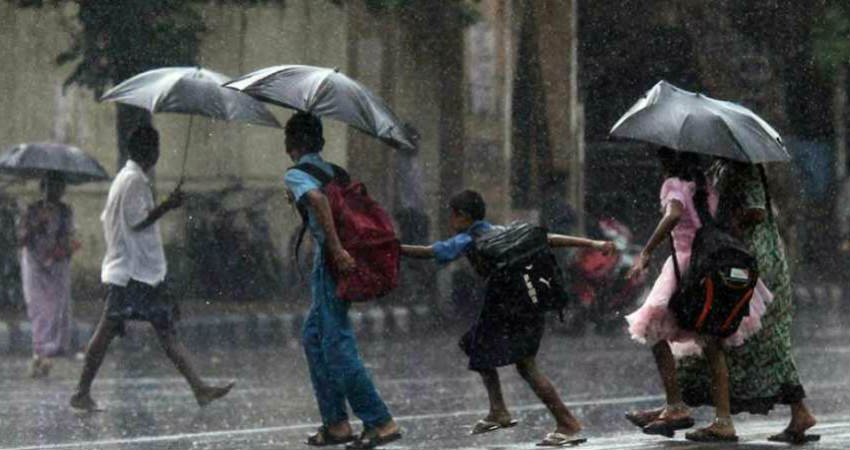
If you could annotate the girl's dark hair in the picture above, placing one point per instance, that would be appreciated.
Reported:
(687, 166)
(470, 203)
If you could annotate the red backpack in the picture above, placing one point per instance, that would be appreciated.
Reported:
(365, 230)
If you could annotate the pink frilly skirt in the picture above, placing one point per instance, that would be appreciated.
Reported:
(654, 322)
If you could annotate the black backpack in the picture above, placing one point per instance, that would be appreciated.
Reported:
(714, 296)
(519, 254)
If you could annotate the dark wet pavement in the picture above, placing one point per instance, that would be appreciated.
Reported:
(423, 379)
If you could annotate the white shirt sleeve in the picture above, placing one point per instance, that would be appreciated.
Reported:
(137, 202)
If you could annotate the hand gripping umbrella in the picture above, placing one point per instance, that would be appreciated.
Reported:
(692, 122)
(328, 93)
(190, 90)
(38, 159)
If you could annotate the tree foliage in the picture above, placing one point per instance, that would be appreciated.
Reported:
(831, 35)
(117, 39)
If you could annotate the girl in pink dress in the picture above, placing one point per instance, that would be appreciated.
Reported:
(683, 191)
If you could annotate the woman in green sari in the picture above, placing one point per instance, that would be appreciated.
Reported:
(762, 372)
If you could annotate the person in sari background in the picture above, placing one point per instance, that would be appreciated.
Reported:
(47, 243)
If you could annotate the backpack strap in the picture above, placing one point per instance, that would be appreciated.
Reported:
(324, 178)
(675, 260)
(315, 172)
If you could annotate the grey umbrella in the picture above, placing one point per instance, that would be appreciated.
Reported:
(328, 93)
(35, 160)
(190, 90)
(688, 121)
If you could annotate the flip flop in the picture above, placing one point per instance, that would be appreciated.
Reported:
(708, 435)
(323, 437)
(365, 443)
(794, 437)
(486, 426)
(641, 419)
(667, 427)
(562, 440)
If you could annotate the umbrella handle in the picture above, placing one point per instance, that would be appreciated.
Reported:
(186, 152)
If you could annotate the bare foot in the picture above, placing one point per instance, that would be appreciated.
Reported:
(501, 417)
(39, 367)
(340, 429)
(801, 419)
(208, 394)
(84, 402)
(642, 418)
(388, 428)
(674, 412)
(721, 427)
(568, 427)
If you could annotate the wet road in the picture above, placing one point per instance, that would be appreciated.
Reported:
(424, 382)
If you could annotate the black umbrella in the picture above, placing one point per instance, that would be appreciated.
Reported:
(688, 121)
(190, 90)
(36, 160)
(328, 93)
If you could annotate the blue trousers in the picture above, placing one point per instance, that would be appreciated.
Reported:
(336, 370)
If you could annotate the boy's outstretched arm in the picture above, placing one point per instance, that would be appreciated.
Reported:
(562, 240)
(417, 251)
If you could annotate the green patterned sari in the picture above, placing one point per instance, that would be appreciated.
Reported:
(762, 371)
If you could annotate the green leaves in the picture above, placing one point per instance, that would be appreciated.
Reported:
(831, 37)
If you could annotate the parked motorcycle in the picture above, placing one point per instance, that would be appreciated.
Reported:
(601, 293)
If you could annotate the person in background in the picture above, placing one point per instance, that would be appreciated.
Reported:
(47, 243)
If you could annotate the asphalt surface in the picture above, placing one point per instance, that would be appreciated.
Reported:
(424, 381)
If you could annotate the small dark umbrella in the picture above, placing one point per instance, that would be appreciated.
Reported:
(36, 160)
(328, 93)
(190, 90)
(688, 121)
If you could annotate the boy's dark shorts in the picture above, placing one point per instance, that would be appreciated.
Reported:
(141, 301)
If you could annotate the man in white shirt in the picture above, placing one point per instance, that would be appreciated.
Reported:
(134, 268)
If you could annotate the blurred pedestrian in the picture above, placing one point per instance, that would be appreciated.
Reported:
(47, 243)
(336, 370)
(134, 270)
(684, 200)
(762, 372)
(509, 327)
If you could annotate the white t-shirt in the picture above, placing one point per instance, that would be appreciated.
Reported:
(137, 255)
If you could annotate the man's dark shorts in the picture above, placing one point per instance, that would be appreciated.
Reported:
(141, 301)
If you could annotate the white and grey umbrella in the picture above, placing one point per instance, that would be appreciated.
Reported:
(37, 159)
(190, 90)
(691, 122)
(328, 93)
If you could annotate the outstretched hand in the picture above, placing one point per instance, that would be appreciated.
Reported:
(606, 247)
(638, 269)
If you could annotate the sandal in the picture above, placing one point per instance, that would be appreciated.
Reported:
(486, 425)
(794, 437)
(667, 427)
(709, 435)
(641, 419)
(368, 442)
(561, 440)
(323, 437)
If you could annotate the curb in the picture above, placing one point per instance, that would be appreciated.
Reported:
(238, 330)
